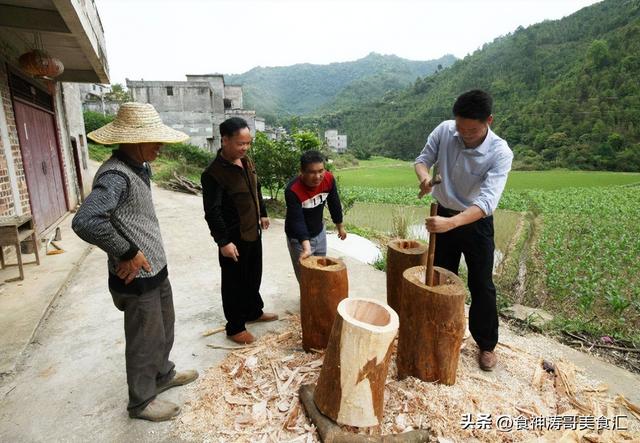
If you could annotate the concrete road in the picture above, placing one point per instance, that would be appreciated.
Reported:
(71, 383)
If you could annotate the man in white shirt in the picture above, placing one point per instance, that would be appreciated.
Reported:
(474, 164)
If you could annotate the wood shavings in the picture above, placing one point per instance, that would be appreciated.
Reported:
(229, 348)
(600, 388)
(536, 381)
(566, 375)
(252, 396)
(209, 332)
(633, 408)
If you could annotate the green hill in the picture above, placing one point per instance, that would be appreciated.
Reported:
(304, 88)
(566, 94)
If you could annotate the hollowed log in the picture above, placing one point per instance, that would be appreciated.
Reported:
(323, 284)
(350, 387)
(401, 255)
(432, 325)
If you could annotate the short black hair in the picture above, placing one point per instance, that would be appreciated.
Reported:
(475, 104)
(309, 157)
(230, 126)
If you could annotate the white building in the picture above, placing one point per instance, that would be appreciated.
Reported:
(335, 141)
(260, 124)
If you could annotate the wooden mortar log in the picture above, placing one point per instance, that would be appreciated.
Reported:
(323, 284)
(432, 325)
(401, 255)
(350, 387)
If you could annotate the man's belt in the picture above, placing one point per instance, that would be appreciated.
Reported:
(446, 212)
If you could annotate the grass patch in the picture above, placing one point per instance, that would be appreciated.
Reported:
(99, 153)
(387, 173)
(275, 208)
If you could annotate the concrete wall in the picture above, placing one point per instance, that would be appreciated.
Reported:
(185, 106)
(103, 107)
(74, 132)
(234, 94)
(216, 83)
(217, 86)
(248, 116)
(69, 178)
(260, 124)
(195, 107)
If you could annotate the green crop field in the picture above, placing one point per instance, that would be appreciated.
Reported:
(386, 173)
(588, 242)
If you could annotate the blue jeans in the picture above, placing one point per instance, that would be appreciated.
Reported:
(318, 247)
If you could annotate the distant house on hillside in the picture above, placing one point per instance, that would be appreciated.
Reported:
(260, 124)
(277, 133)
(196, 106)
(335, 141)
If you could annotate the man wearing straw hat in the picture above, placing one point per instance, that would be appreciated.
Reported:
(236, 215)
(118, 217)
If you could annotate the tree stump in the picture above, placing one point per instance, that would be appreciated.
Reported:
(323, 284)
(432, 325)
(401, 255)
(350, 388)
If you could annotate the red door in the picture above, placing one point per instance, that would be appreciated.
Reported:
(39, 146)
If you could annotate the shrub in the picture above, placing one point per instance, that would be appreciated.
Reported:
(361, 153)
(187, 153)
(344, 161)
(95, 120)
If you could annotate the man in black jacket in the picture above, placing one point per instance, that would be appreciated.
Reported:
(236, 215)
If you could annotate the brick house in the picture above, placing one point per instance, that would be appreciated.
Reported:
(43, 147)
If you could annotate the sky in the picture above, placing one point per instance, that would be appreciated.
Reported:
(167, 39)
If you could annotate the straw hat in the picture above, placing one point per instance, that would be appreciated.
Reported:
(136, 123)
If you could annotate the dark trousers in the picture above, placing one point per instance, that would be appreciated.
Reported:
(475, 241)
(148, 330)
(241, 300)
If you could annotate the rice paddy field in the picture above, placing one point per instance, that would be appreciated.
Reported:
(382, 172)
(580, 238)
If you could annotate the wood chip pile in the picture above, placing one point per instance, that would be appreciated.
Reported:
(252, 396)
(182, 184)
